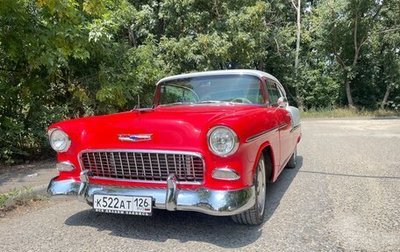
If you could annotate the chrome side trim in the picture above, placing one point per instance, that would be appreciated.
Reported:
(295, 127)
(281, 126)
(261, 134)
(203, 200)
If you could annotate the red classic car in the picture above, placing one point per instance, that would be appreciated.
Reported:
(210, 143)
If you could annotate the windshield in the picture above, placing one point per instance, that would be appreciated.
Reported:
(212, 89)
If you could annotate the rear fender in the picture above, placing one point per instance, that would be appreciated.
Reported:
(294, 115)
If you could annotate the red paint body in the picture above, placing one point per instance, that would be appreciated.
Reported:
(184, 128)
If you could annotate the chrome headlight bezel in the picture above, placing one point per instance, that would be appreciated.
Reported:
(66, 141)
(233, 138)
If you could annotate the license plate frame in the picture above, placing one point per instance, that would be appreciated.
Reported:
(121, 204)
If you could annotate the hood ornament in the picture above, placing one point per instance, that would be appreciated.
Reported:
(134, 138)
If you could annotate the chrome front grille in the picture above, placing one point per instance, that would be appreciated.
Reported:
(143, 165)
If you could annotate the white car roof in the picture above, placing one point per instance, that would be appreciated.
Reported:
(256, 73)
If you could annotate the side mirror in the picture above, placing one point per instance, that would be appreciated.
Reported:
(282, 102)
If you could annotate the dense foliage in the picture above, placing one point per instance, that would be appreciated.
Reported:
(70, 58)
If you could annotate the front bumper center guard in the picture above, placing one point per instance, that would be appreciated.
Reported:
(203, 200)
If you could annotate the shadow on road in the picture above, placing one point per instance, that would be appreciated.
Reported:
(187, 226)
(275, 191)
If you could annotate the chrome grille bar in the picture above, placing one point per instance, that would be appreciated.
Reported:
(142, 165)
(166, 163)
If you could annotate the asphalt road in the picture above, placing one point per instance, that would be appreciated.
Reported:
(344, 195)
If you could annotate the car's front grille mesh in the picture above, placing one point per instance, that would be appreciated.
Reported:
(145, 166)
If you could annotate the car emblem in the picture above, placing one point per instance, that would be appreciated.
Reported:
(134, 138)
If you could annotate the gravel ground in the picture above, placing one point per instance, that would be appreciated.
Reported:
(343, 196)
(35, 176)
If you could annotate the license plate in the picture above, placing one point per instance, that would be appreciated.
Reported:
(135, 205)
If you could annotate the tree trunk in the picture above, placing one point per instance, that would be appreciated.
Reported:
(296, 61)
(348, 93)
(298, 31)
(386, 96)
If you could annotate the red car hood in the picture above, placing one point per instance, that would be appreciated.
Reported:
(181, 127)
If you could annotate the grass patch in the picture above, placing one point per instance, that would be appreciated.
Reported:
(19, 197)
(348, 113)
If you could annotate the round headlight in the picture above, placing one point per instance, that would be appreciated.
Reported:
(222, 141)
(59, 140)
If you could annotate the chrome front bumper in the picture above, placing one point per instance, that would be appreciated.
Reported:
(212, 202)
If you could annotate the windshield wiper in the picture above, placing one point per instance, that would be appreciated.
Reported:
(177, 103)
(211, 101)
(190, 103)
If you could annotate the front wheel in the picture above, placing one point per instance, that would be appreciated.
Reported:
(255, 215)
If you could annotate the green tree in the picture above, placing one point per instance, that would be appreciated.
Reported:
(345, 27)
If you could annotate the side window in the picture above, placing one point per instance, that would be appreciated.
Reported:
(273, 93)
(282, 92)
